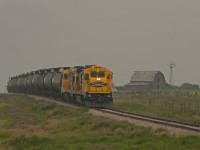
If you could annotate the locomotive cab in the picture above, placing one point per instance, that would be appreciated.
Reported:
(65, 87)
(97, 86)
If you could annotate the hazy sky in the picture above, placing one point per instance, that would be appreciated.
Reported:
(123, 35)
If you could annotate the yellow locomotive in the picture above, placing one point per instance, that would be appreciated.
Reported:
(88, 85)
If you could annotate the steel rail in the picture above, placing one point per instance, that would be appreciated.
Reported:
(167, 122)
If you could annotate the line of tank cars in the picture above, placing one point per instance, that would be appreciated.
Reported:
(89, 85)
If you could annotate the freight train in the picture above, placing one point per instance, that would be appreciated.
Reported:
(89, 85)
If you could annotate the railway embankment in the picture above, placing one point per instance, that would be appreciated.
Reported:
(41, 123)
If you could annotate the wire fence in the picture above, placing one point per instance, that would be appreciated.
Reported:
(184, 107)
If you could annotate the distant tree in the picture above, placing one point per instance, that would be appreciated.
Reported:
(189, 86)
(119, 88)
(172, 87)
(195, 86)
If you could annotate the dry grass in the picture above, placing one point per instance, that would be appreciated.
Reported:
(30, 124)
(177, 107)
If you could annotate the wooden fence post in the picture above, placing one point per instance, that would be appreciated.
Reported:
(149, 102)
(189, 107)
(181, 107)
(184, 108)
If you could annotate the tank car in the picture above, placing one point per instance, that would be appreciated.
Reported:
(47, 82)
(9, 87)
(56, 85)
(34, 82)
(19, 88)
(12, 84)
(40, 82)
(29, 86)
(25, 85)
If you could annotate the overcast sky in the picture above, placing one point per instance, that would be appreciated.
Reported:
(122, 35)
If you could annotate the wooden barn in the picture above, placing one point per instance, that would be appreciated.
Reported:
(146, 80)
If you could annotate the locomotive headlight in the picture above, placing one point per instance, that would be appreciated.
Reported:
(98, 79)
(89, 95)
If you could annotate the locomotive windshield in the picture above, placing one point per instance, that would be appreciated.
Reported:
(65, 76)
(101, 74)
(95, 74)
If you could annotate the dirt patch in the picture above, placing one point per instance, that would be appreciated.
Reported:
(32, 130)
(4, 97)
(52, 124)
(21, 121)
(59, 102)
(1, 123)
(12, 110)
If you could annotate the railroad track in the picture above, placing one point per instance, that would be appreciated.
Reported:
(171, 123)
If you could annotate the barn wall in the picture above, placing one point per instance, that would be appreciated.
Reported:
(159, 82)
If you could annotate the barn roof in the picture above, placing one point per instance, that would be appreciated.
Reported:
(144, 76)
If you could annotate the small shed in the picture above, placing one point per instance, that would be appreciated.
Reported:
(146, 80)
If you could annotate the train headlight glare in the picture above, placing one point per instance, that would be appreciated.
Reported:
(98, 79)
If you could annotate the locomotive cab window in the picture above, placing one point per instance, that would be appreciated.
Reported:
(77, 78)
(101, 74)
(73, 78)
(65, 76)
(93, 74)
(108, 77)
(86, 77)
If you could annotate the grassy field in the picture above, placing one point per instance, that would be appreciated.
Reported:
(174, 106)
(31, 124)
